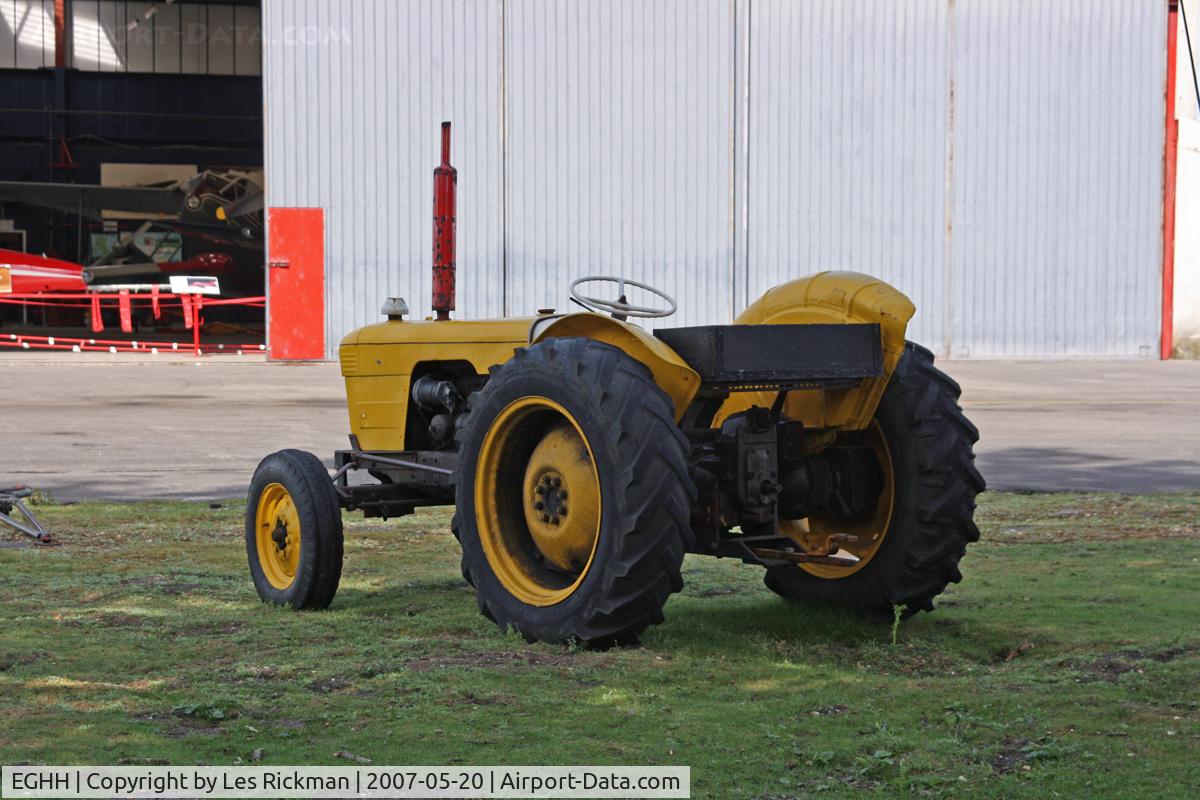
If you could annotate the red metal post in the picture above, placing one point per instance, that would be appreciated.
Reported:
(445, 183)
(125, 311)
(97, 316)
(1170, 161)
(60, 33)
(197, 304)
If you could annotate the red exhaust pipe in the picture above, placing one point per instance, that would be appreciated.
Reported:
(445, 183)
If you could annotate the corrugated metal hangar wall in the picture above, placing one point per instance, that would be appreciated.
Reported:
(998, 160)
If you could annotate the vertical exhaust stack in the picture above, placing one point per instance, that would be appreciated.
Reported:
(445, 186)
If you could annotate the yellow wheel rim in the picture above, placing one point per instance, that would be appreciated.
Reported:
(537, 501)
(824, 535)
(277, 535)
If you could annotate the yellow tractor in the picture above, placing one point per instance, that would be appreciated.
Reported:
(585, 456)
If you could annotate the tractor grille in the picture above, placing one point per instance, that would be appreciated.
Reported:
(349, 359)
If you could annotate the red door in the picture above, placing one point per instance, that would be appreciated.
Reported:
(296, 283)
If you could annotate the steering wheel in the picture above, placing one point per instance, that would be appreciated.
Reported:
(620, 308)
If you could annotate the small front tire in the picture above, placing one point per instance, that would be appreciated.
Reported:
(294, 531)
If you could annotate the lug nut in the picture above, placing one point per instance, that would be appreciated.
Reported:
(543, 517)
(540, 489)
(539, 505)
(563, 494)
(554, 520)
(557, 482)
(562, 512)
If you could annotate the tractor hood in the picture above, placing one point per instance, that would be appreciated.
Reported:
(457, 331)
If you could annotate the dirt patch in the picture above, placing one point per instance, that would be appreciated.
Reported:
(111, 621)
(162, 583)
(178, 588)
(1007, 654)
(1109, 667)
(1013, 752)
(184, 731)
(1172, 653)
(264, 673)
(388, 612)
(491, 661)
(184, 721)
(329, 685)
(473, 699)
(830, 782)
(828, 711)
(211, 629)
(718, 591)
(149, 580)
(375, 670)
(10, 660)
(919, 661)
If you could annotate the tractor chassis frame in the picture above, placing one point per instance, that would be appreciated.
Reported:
(728, 359)
(424, 478)
(407, 479)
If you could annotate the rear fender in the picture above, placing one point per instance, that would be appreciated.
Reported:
(671, 373)
(830, 297)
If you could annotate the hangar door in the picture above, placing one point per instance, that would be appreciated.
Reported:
(623, 162)
(1000, 163)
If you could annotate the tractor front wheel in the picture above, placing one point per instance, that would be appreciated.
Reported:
(294, 531)
(573, 496)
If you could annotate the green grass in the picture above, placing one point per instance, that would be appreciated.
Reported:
(1065, 664)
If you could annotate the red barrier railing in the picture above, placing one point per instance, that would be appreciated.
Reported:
(191, 307)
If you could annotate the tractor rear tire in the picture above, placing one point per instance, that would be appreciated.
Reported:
(294, 531)
(935, 479)
(625, 462)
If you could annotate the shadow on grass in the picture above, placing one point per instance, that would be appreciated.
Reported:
(757, 625)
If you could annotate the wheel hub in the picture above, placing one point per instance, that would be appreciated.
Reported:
(561, 498)
(278, 535)
(550, 498)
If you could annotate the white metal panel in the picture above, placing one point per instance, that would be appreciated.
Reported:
(847, 147)
(997, 160)
(618, 128)
(220, 40)
(139, 41)
(247, 43)
(193, 21)
(8, 33)
(168, 56)
(31, 23)
(112, 40)
(1058, 147)
(355, 96)
(1187, 238)
(85, 35)
(176, 38)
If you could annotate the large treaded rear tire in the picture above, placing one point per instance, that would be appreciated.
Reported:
(640, 456)
(936, 482)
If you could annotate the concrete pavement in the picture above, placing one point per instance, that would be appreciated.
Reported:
(143, 427)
